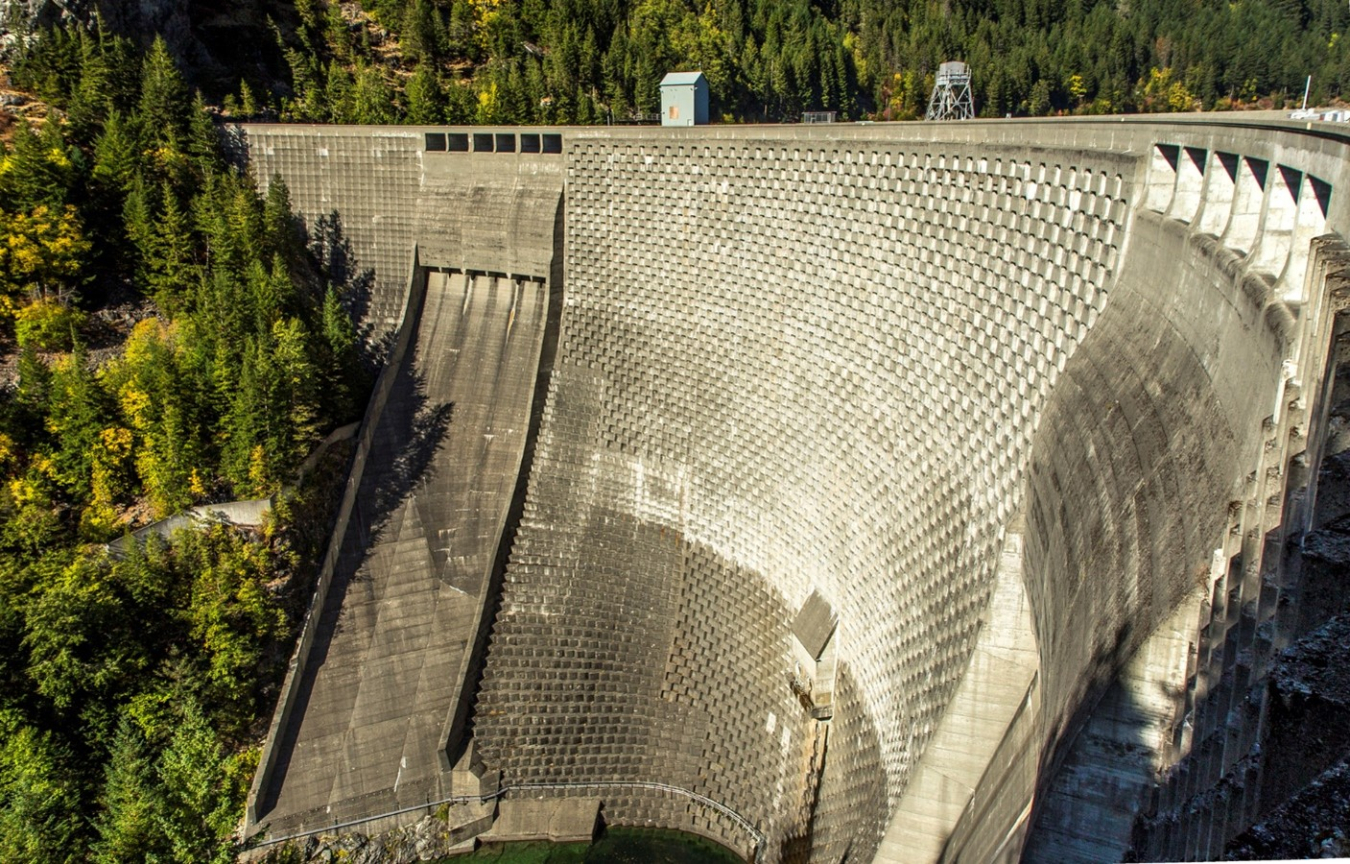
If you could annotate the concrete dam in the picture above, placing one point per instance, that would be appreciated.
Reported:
(840, 493)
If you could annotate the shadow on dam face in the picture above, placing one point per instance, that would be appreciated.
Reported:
(996, 412)
(381, 688)
(414, 429)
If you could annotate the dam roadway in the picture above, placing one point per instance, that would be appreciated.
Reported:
(416, 559)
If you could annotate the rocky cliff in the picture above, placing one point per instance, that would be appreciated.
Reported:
(215, 41)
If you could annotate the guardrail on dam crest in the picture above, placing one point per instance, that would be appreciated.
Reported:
(859, 461)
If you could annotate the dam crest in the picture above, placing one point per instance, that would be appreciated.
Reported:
(809, 488)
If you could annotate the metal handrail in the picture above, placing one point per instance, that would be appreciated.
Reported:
(757, 837)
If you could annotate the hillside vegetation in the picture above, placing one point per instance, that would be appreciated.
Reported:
(172, 338)
(591, 61)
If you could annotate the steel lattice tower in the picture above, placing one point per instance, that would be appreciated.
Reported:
(951, 99)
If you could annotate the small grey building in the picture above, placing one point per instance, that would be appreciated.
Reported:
(684, 99)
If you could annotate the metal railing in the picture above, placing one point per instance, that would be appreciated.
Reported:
(758, 840)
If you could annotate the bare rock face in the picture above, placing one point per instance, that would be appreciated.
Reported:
(141, 19)
(20, 17)
(171, 19)
(215, 42)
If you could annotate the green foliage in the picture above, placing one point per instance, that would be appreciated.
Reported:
(77, 639)
(162, 110)
(39, 796)
(372, 98)
(48, 324)
(132, 811)
(200, 791)
(425, 96)
(42, 254)
(130, 688)
(232, 617)
(567, 61)
(38, 170)
(77, 409)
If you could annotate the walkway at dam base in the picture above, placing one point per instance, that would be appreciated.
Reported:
(431, 840)
(901, 493)
(615, 846)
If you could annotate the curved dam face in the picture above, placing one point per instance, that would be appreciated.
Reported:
(865, 457)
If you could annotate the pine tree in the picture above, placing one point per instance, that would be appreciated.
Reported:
(426, 101)
(115, 159)
(460, 37)
(39, 799)
(198, 811)
(75, 418)
(90, 101)
(170, 273)
(418, 37)
(344, 367)
(31, 397)
(129, 827)
(248, 103)
(163, 103)
(280, 225)
(338, 95)
(372, 99)
(461, 105)
(244, 423)
(39, 170)
(138, 221)
(203, 142)
(337, 34)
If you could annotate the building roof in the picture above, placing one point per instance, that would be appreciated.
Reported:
(676, 79)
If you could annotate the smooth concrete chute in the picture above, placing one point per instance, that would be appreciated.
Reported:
(1162, 177)
(1277, 229)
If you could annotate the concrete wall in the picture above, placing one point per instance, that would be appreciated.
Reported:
(885, 363)
(286, 702)
(484, 212)
(751, 388)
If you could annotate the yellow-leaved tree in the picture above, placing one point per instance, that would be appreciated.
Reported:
(42, 254)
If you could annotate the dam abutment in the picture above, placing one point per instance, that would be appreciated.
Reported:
(1001, 395)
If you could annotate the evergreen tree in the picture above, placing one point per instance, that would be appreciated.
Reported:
(203, 142)
(90, 100)
(170, 271)
(281, 228)
(39, 170)
(39, 799)
(338, 95)
(31, 397)
(372, 99)
(115, 157)
(426, 101)
(77, 406)
(162, 110)
(461, 40)
(129, 825)
(419, 38)
(198, 811)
